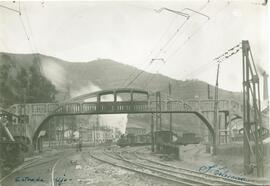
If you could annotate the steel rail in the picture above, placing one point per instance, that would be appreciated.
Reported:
(141, 171)
(203, 178)
(196, 172)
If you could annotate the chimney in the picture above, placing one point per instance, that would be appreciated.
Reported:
(265, 86)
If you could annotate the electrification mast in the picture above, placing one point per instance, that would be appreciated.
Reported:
(252, 121)
(252, 113)
(216, 111)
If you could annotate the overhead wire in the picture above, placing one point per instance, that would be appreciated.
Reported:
(8, 8)
(154, 48)
(193, 11)
(162, 35)
(171, 38)
(30, 39)
(199, 69)
(196, 31)
(203, 7)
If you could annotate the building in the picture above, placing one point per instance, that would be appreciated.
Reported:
(97, 135)
(135, 130)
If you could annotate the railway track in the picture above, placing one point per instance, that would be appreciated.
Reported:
(205, 179)
(208, 176)
(49, 163)
(118, 159)
(138, 169)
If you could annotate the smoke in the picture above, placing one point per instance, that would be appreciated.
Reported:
(58, 76)
(55, 73)
(85, 90)
(118, 121)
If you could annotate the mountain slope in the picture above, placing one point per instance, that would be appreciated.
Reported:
(84, 77)
(107, 74)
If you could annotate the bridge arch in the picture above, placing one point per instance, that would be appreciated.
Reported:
(77, 106)
(236, 117)
(201, 116)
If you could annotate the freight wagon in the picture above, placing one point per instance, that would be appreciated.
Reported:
(134, 140)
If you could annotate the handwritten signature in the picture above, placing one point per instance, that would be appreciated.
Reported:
(220, 171)
(28, 179)
(59, 180)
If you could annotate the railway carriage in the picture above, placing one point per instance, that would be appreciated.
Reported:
(134, 140)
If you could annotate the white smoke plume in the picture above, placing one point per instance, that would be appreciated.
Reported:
(58, 76)
(55, 73)
(118, 121)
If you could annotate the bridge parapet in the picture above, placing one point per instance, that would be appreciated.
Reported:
(33, 108)
(122, 106)
(208, 106)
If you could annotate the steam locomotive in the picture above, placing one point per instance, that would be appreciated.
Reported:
(164, 136)
(188, 138)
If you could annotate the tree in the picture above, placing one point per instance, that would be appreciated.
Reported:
(40, 89)
(6, 80)
(21, 85)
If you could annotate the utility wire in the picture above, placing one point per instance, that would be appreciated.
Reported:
(24, 28)
(186, 40)
(160, 38)
(136, 77)
(173, 36)
(150, 78)
(181, 26)
(195, 32)
(32, 44)
(199, 70)
(154, 48)
(11, 9)
(195, 12)
(203, 7)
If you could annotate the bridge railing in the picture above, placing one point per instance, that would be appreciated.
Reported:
(33, 108)
(122, 106)
(208, 105)
(88, 107)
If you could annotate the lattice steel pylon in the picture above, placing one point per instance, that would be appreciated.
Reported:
(252, 112)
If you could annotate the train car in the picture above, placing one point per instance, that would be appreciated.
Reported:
(144, 139)
(189, 138)
(134, 140)
(123, 141)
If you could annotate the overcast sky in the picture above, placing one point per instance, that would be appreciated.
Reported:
(133, 33)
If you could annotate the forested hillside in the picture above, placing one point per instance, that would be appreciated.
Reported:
(39, 78)
(19, 84)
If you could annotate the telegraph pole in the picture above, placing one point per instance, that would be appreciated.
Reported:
(170, 108)
(216, 111)
(252, 120)
(1, 147)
